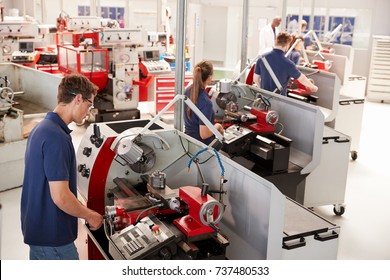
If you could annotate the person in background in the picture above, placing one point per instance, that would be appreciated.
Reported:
(295, 54)
(194, 126)
(268, 35)
(283, 68)
(49, 204)
(307, 40)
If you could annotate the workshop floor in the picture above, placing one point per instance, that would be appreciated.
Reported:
(365, 225)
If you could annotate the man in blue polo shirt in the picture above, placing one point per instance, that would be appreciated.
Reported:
(283, 68)
(49, 204)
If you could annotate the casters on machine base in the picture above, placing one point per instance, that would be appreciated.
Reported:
(354, 155)
(339, 209)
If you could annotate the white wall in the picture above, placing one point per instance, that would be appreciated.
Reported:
(215, 33)
(195, 31)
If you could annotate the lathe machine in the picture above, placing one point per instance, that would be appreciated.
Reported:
(270, 135)
(165, 195)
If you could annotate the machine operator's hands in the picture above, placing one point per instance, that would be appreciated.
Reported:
(219, 127)
(313, 88)
(94, 220)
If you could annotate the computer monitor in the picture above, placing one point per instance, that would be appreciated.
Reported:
(26, 46)
(151, 55)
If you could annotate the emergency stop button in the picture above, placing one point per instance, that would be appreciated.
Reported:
(156, 229)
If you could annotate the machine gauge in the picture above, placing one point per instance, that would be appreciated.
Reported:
(6, 49)
(124, 58)
(120, 84)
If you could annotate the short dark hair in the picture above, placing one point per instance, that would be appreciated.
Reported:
(74, 84)
(283, 39)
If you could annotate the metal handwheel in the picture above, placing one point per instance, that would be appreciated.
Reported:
(206, 213)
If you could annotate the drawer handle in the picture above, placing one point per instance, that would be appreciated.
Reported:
(326, 236)
(293, 244)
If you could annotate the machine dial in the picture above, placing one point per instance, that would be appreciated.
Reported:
(7, 49)
(272, 117)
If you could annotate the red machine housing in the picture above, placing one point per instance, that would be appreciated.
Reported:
(262, 125)
(95, 200)
(78, 38)
(298, 88)
(323, 65)
(191, 224)
(88, 60)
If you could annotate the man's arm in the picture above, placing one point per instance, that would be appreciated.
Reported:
(64, 199)
(257, 79)
(307, 83)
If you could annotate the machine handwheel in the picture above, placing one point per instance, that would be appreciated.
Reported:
(339, 210)
(206, 213)
(354, 155)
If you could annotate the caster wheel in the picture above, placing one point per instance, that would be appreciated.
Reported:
(339, 210)
(354, 155)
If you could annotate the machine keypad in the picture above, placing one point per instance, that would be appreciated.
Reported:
(133, 247)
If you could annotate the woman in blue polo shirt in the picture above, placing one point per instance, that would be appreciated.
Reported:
(194, 126)
(283, 68)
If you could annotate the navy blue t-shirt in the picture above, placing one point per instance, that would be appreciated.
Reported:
(294, 56)
(307, 42)
(283, 68)
(192, 124)
(50, 156)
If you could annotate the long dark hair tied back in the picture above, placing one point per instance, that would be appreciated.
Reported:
(202, 71)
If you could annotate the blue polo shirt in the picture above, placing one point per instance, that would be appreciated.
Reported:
(283, 68)
(50, 156)
(192, 124)
(307, 42)
(294, 56)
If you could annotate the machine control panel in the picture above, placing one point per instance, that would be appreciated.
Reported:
(156, 67)
(83, 22)
(123, 36)
(18, 56)
(19, 29)
(235, 132)
(147, 237)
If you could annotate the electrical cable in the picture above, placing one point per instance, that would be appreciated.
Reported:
(192, 159)
(147, 209)
(220, 163)
(216, 154)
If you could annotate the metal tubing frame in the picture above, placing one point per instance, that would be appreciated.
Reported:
(179, 60)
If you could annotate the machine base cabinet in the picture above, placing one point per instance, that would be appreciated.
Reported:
(350, 111)
(349, 121)
(308, 236)
(12, 164)
(327, 183)
(164, 91)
